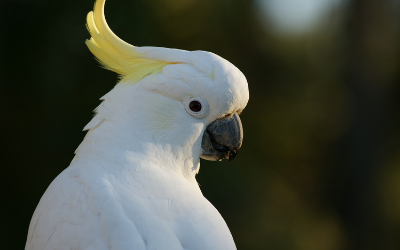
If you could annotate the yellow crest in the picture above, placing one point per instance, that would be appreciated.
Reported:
(115, 54)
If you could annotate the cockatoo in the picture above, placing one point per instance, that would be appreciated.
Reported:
(131, 184)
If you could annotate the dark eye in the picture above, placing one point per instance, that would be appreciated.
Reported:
(195, 106)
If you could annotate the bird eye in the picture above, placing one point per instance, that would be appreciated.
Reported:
(195, 106)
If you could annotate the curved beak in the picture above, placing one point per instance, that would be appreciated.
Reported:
(222, 139)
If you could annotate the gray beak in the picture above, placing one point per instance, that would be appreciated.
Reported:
(222, 139)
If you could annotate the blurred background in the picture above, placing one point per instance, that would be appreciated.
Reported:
(320, 164)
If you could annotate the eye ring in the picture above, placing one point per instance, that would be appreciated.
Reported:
(196, 107)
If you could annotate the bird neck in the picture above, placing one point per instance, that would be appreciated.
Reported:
(135, 149)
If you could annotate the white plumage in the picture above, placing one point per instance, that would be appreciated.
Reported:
(132, 182)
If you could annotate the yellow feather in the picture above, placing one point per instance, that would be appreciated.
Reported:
(139, 68)
(115, 54)
(105, 30)
(102, 57)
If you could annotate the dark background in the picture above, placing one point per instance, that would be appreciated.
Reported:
(320, 164)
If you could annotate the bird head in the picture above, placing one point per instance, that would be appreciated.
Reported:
(186, 101)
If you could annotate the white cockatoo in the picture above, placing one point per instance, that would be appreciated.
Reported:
(131, 184)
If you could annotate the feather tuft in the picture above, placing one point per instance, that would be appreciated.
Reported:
(116, 55)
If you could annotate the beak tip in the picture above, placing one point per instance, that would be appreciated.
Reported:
(232, 155)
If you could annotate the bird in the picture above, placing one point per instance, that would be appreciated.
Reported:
(132, 182)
